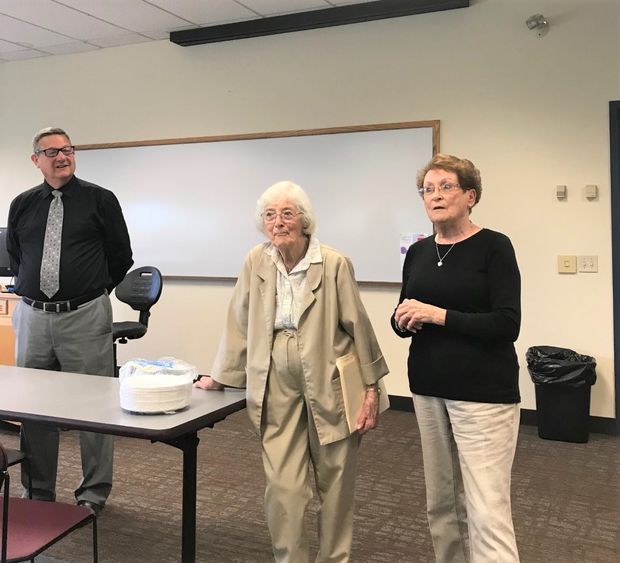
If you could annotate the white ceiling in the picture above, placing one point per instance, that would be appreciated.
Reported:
(40, 28)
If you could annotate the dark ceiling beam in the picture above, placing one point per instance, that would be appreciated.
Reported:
(339, 15)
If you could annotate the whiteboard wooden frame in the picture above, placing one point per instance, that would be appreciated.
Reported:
(432, 125)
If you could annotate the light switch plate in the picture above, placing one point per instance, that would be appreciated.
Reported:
(561, 192)
(591, 191)
(567, 264)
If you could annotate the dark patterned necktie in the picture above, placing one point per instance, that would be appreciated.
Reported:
(50, 263)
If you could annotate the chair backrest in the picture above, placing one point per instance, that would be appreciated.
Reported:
(141, 289)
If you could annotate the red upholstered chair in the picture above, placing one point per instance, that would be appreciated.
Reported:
(29, 526)
(13, 457)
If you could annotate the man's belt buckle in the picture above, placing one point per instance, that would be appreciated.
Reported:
(54, 309)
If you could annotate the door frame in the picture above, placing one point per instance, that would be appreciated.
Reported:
(614, 144)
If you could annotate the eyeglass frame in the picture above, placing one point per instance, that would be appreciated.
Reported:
(443, 188)
(63, 150)
(280, 214)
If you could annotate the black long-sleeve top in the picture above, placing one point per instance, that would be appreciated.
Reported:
(472, 357)
(95, 249)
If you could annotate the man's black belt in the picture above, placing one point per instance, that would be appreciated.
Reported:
(62, 306)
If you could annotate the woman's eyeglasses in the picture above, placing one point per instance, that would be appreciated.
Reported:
(444, 188)
(269, 215)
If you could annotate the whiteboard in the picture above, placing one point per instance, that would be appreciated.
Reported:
(189, 206)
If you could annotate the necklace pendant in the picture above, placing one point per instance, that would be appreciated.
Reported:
(441, 258)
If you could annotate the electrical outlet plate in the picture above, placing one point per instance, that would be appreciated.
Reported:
(587, 264)
(567, 264)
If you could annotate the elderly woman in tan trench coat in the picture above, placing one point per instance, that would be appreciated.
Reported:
(295, 309)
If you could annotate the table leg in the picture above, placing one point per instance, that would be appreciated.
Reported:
(188, 444)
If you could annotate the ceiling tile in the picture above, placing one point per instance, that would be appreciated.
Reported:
(273, 7)
(346, 2)
(23, 55)
(73, 47)
(6, 47)
(132, 15)
(27, 34)
(52, 16)
(123, 38)
(201, 13)
(157, 34)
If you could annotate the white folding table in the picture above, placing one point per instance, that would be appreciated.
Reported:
(89, 402)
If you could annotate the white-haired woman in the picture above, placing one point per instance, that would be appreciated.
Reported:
(295, 309)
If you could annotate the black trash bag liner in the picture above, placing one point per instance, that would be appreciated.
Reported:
(550, 365)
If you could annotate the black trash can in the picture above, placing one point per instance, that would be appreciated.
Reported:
(563, 381)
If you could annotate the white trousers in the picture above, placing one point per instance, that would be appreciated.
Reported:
(468, 449)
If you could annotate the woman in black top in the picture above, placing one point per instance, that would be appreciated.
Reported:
(460, 305)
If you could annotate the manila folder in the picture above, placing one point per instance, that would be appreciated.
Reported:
(354, 388)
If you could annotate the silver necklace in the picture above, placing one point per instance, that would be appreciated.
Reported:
(442, 258)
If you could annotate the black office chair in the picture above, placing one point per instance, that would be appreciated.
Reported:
(140, 289)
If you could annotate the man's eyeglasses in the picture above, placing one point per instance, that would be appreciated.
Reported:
(52, 152)
(444, 188)
(269, 215)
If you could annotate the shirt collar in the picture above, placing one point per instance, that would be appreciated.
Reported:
(66, 189)
(312, 256)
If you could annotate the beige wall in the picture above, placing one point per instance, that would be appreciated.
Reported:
(530, 112)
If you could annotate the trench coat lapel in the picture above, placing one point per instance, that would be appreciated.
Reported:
(314, 276)
(266, 273)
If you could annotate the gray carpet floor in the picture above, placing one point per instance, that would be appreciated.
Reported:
(566, 499)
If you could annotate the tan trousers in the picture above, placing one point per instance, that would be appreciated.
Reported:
(290, 443)
(468, 449)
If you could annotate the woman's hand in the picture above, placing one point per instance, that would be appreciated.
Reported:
(411, 314)
(207, 382)
(369, 415)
